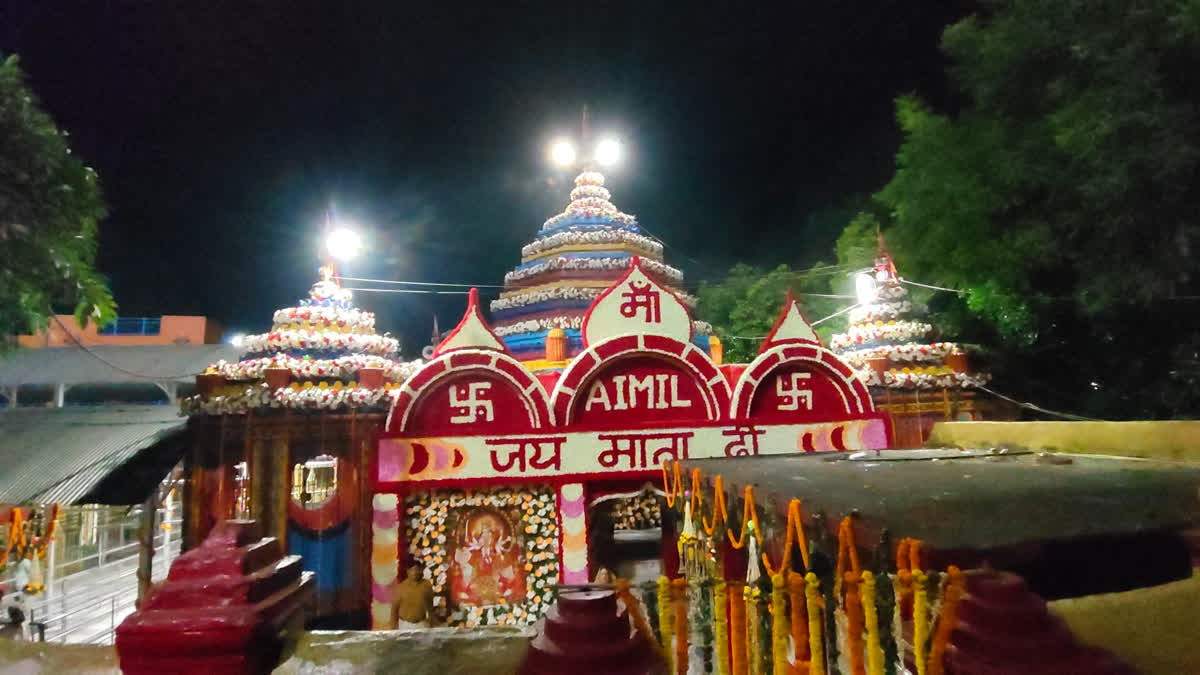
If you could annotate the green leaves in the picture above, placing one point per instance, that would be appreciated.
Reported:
(1062, 195)
(50, 206)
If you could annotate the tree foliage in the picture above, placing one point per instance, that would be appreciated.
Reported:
(1063, 197)
(50, 204)
(744, 306)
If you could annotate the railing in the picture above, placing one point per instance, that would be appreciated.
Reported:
(87, 599)
(133, 325)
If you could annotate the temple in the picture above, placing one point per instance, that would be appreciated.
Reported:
(590, 431)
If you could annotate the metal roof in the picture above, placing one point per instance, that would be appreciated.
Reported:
(972, 500)
(60, 455)
(108, 364)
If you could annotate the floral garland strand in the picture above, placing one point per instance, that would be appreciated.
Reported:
(738, 627)
(779, 625)
(952, 594)
(721, 627)
(814, 604)
(846, 589)
(799, 621)
(680, 599)
(875, 656)
(753, 654)
(666, 618)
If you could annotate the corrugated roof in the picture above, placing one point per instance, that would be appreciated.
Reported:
(75, 365)
(60, 454)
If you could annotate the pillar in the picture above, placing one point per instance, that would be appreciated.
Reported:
(60, 393)
(572, 519)
(270, 479)
(385, 559)
(146, 546)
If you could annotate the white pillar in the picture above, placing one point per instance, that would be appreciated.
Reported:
(60, 393)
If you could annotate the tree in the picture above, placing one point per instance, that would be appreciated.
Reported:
(50, 204)
(743, 307)
(1063, 198)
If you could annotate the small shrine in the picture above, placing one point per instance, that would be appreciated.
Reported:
(282, 436)
(915, 377)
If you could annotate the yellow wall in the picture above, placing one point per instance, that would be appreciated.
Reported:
(1178, 440)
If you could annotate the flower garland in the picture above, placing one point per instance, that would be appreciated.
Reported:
(888, 291)
(911, 353)
(660, 269)
(547, 244)
(536, 325)
(738, 636)
(535, 296)
(881, 311)
(875, 332)
(754, 656)
(814, 604)
(923, 378)
(679, 593)
(698, 327)
(306, 396)
(329, 317)
(952, 594)
(666, 618)
(590, 191)
(721, 626)
(846, 588)
(341, 367)
(590, 203)
(625, 595)
(426, 535)
(875, 656)
(321, 340)
(779, 626)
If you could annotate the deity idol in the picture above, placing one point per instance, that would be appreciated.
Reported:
(486, 567)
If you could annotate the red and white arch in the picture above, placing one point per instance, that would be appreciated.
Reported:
(608, 355)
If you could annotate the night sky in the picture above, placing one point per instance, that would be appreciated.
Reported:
(222, 130)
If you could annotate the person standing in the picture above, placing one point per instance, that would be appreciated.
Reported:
(412, 601)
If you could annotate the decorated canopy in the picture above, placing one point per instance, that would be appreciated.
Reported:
(575, 256)
(889, 348)
(323, 352)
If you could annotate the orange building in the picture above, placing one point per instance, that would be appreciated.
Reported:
(169, 329)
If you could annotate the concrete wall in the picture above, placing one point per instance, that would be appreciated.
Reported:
(18, 657)
(1175, 440)
(490, 650)
(494, 650)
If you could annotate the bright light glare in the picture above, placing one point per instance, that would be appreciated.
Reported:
(864, 288)
(608, 152)
(343, 243)
(562, 152)
(237, 340)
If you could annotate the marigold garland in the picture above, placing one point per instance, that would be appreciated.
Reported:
(795, 535)
(799, 620)
(951, 595)
(635, 610)
(875, 656)
(813, 603)
(666, 617)
(679, 596)
(738, 634)
(779, 625)
(920, 619)
(721, 626)
(847, 588)
(754, 656)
